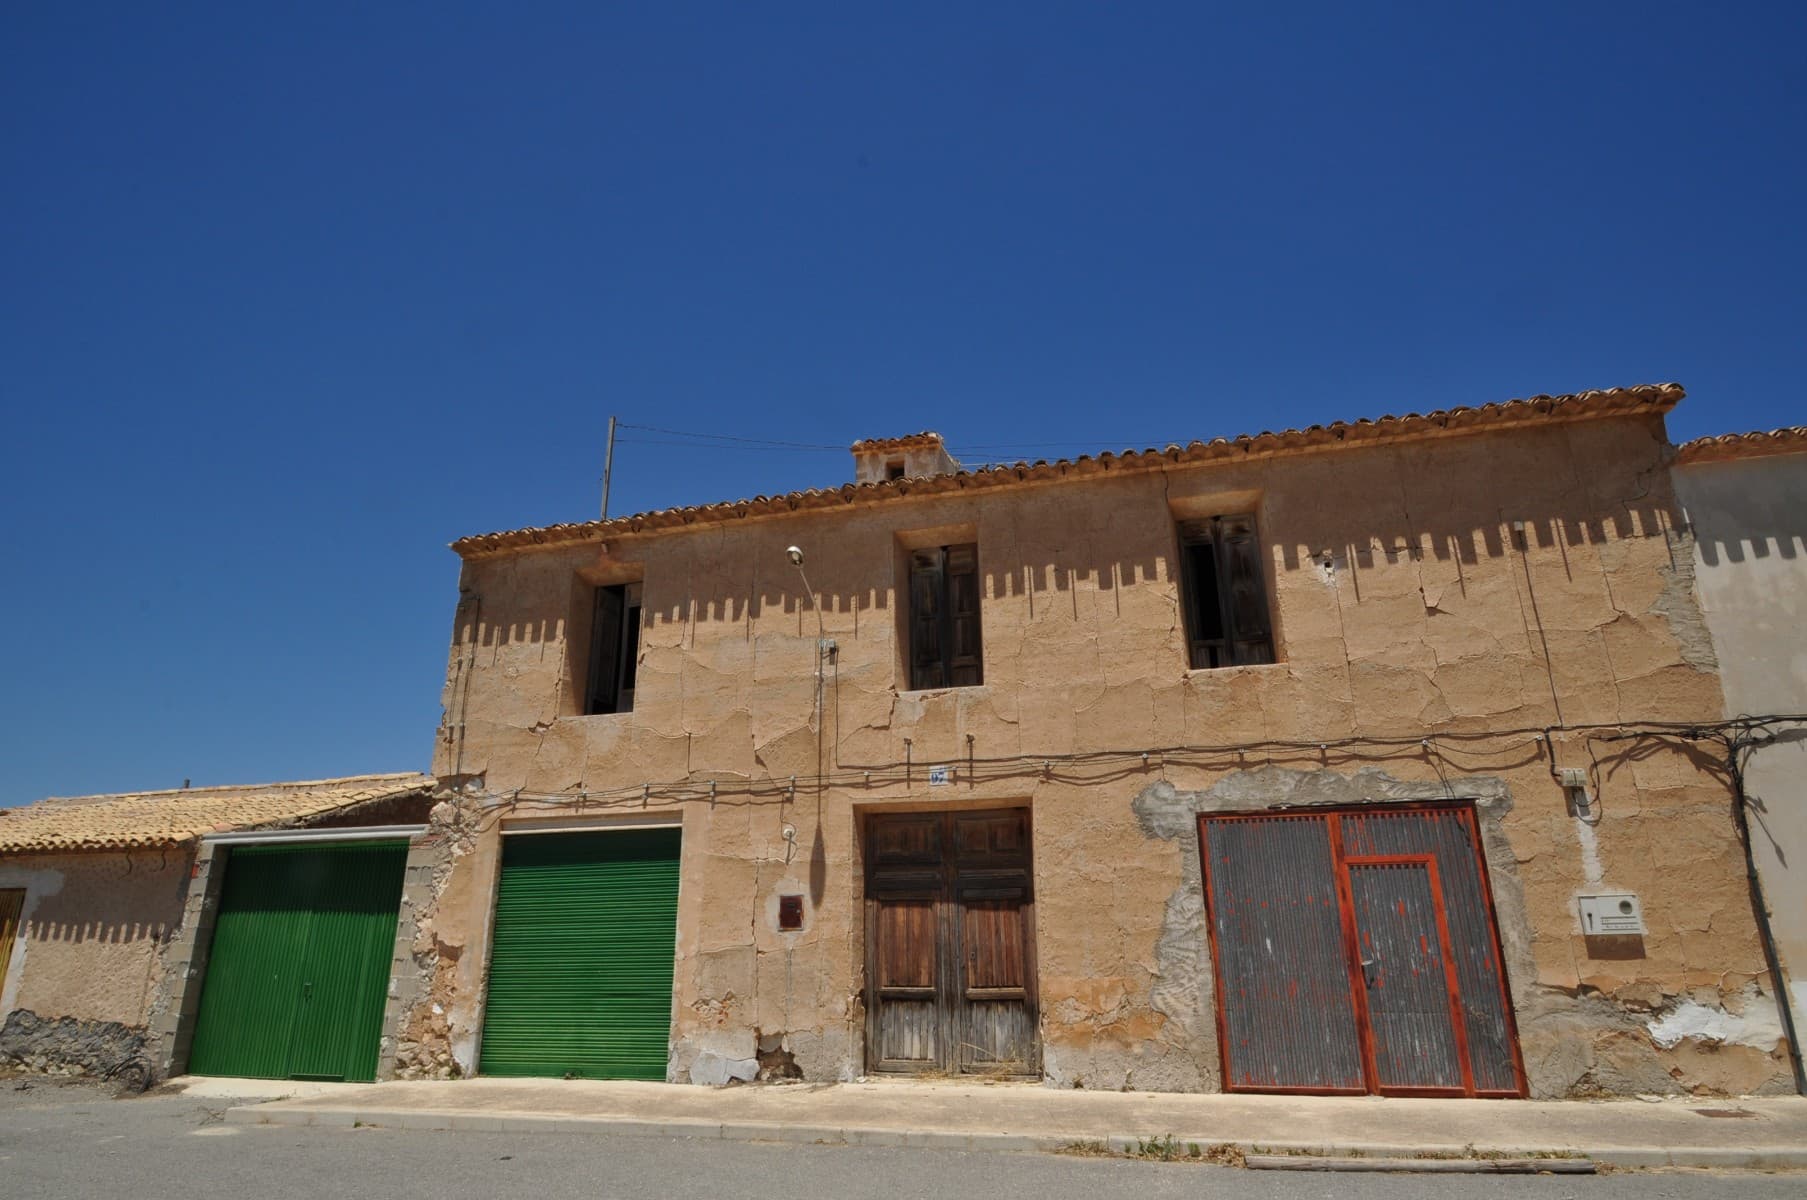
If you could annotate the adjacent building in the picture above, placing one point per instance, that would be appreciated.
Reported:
(1745, 496)
(110, 905)
(1359, 758)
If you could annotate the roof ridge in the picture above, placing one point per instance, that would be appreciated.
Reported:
(219, 788)
(1756, 443)
(1596, 403)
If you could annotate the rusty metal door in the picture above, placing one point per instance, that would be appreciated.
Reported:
(950, 944)
(1408, 980)
(1355, 950)
(1286, 1016)
(1481, 1011)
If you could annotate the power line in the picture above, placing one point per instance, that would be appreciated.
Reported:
(726, 437)
(773, 448)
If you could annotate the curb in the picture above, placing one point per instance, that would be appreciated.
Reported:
(1703, 1157)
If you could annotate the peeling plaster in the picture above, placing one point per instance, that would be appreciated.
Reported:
(1758, 1025)
(1677, 604)
(1591, 869)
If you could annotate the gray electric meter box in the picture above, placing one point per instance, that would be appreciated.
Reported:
(1616, 912)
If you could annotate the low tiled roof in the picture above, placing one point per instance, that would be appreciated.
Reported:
(1789, 440)
(1609, 402)
(139, 819)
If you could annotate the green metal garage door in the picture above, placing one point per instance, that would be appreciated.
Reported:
(299, 967)
(580, 971)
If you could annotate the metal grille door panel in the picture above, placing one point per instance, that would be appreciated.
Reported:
(1408, 995)
(1448, 834)
(580, 974)
(1288, 1018)
(1355, 950)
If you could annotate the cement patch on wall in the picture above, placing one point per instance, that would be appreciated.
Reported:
(1183, 989)
(1575, 1042)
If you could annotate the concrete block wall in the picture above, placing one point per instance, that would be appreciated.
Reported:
(185, 963)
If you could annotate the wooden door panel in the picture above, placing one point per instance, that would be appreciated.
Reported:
(992, 936)
(909, 1035)
(998, 1038)
(906, 943)
(991, 838)
(906, 1029)
(998, 1015)
(909, 838)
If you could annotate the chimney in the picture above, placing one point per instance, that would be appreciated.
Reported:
(920, 454)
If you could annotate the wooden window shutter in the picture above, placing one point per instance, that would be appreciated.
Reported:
(1250, 630)
(1206, 643)
(965, 657)
(927, 586)
(1224, 593)
(603, 693)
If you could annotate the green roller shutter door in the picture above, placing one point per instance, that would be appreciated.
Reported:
(581, 966)
(299, 965)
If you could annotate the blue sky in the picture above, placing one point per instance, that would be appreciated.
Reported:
(288, 300)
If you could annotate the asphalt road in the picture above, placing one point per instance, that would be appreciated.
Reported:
(77, 1141)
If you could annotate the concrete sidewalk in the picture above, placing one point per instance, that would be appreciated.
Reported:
(1768, 1134)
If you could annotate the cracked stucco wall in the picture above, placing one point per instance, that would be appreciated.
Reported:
(91, 939)
(1447, 590)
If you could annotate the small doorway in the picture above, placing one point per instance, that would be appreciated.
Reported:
(1356, 951)
(950, 944)
(12, 908)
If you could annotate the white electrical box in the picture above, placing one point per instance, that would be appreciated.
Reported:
(1615, 912)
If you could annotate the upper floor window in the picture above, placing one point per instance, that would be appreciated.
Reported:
(944, 648)
(1224, 594)
(614, 649)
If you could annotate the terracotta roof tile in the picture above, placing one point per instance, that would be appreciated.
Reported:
(904, 442)
(136, 819)
(1648, 398)
(1789, 440)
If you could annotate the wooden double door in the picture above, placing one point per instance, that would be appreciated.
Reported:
(950, 944)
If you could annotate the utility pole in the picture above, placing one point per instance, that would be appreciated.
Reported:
(608, 468)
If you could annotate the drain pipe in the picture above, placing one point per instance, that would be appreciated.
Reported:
(1735, 745)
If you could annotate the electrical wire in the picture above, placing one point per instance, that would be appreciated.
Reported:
(1111, 764)
(727, 437)
(775, 449)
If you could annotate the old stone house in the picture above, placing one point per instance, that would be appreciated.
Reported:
(110, 904)
(1360, 758)
(1745, 498)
